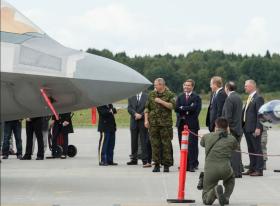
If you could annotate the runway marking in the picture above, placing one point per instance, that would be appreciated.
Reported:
(62, 192)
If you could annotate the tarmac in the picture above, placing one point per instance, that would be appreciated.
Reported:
(81, 181)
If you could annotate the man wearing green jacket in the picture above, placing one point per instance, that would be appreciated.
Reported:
(158, 119)
(218, 149)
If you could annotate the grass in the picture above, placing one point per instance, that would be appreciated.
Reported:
(82, 118)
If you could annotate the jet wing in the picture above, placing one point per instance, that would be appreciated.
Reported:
(31, 60)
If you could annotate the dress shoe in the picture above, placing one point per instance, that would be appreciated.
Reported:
(247, 166)
(26, 157)
(166, 169)
(113, 163)
(63, 157)
(5, 157)
(191, 169)
(19, 157)
(248, 172)
(219, 192)
(238, 176)
(40, 158)
(256, 174)
(147, 165)
(156, 168)
(12, 152)
(132, 162)
(103, 164)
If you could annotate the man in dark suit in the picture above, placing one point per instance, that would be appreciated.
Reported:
(107, 128)
(217, 101)
(34, 125)
(62, 126)
(188, 106)
(252, 128)
(136, 107)
(232, 111)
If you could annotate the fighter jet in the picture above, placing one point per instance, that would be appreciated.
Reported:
(269, 113)
(39, 75)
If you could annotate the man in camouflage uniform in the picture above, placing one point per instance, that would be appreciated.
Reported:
(158, 118)
(219, 146)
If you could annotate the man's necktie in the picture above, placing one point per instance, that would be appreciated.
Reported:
(246, 107)
(187, 97)
(137, 98)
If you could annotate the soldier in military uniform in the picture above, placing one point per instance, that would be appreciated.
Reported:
(158, 118)
(219, 146)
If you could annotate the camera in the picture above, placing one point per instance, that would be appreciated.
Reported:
(200, 181)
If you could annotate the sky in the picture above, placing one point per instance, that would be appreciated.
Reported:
(149, 27)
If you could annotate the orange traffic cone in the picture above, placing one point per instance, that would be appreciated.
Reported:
(183, 169)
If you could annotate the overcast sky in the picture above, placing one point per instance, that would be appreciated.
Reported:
(141, 27)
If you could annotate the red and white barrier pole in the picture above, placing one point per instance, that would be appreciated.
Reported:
(183, 169)
(48, 101)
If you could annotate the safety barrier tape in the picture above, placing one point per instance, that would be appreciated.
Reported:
(253, 154)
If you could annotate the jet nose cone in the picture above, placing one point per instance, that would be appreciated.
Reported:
(99, 68)
(108, 79)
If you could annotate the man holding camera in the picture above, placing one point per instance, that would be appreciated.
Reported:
(219, 146)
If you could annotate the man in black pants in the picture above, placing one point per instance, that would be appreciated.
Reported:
(34, 125)
(136, 107)
(62, 126)
(253, 128)
(188, 106)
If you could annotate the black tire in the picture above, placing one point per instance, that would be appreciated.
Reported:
(57, 151)
(72, 151)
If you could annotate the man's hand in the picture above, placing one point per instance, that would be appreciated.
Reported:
(257, 132)
(52, 123)
(137, 116)
(65, 123)
(158, 100)
(147, 124)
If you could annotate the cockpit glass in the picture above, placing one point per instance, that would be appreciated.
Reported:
(14, 22)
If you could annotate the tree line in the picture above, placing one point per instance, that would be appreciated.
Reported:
(201, 66)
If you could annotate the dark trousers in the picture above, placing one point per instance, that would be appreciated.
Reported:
(106, 147)
(58, 132)
(254, 146)
(193, 147)
(9, 127)
(235, 160)
(31, 127)
(149, 149)
(139, 132)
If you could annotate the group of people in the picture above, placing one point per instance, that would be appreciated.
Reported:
(151, 126)
(36, 129)
(227, 120)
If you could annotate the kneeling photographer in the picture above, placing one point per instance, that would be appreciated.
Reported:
(218, 149)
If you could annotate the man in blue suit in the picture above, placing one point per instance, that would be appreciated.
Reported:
(217, 101)
(188, 106)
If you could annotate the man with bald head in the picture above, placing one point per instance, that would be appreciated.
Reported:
(252, 128)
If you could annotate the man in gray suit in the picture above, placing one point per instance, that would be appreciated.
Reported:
(136, 107)
(253, 128)
(232, 111)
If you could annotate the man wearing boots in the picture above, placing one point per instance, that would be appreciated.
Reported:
(158, 118)
(219, 146)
